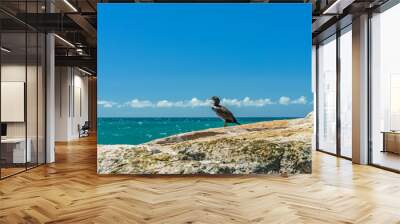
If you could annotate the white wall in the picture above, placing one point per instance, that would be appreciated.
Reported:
(71, 87)
(33, 127)
(62, 82)
(15, 72)
(80, 109)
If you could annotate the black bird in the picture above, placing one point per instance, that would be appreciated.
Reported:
(223, 112)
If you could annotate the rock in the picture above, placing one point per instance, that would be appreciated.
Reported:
(155, 151)
(281, 147)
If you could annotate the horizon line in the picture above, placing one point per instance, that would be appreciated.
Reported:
(209, 117)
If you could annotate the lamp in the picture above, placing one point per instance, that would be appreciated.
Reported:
(5, 50)
(70, 5)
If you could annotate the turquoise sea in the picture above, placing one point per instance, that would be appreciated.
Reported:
(141, 130)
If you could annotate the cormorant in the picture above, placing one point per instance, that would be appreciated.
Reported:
(223, 112)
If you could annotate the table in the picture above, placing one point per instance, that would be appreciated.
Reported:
(13, 150)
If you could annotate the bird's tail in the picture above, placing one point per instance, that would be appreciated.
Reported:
(236, 122)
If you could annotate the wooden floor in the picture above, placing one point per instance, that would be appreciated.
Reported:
(5, 172)
(70, 191)
(386, 159)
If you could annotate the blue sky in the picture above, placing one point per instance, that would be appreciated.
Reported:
(167, 60)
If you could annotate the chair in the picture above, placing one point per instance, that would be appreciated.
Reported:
(84, 130)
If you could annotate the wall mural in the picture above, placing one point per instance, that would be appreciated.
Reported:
(204, 89)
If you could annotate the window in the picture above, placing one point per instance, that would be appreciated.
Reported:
(22, 88)
(385, 89)
(327, 95)
(346, 92)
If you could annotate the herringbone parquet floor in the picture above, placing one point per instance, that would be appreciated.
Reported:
(70, 191)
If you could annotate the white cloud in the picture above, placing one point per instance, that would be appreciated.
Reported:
(164, 103)
(136, 103)
(195, 102)
(300, 100)
(106, 104)
(257, 103)
(284, 100)
(231, 102)
(247, 102)
(179, 104)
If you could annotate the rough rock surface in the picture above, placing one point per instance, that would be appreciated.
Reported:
(281, 147)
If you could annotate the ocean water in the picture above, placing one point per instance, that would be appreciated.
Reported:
(141, 130)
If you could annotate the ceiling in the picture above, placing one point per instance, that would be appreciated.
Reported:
(73, 21)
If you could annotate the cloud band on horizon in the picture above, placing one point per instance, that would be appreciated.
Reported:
(195, 102)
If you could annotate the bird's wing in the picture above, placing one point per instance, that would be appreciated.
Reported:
(226, 114)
